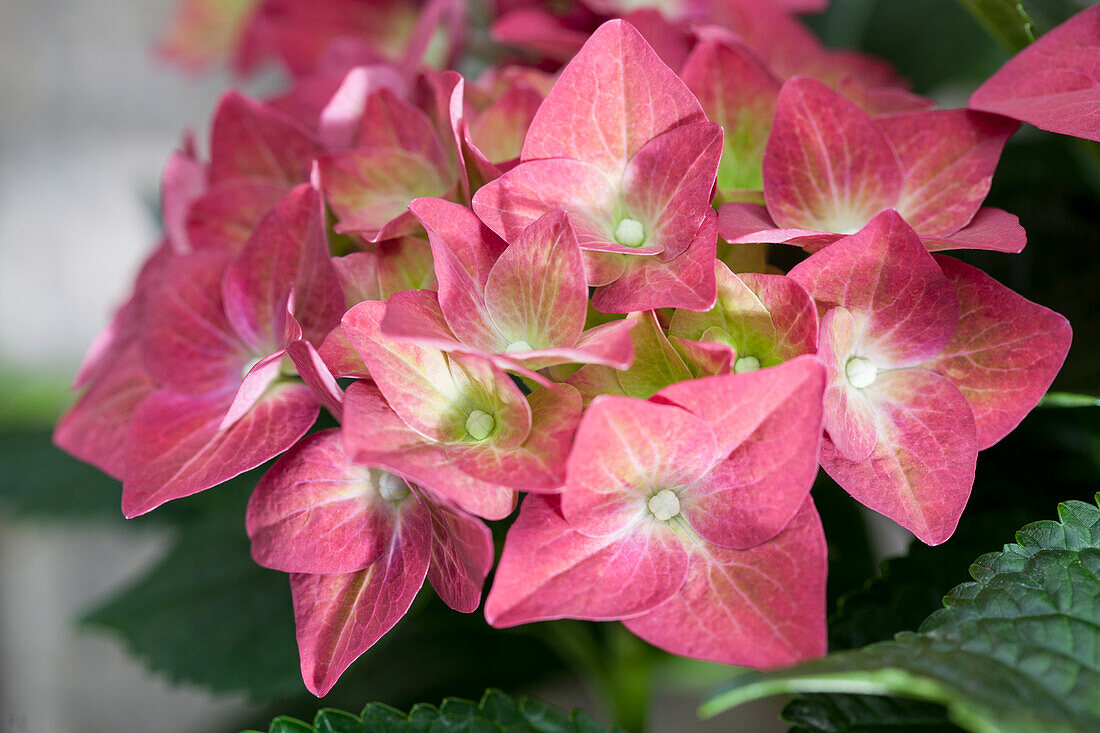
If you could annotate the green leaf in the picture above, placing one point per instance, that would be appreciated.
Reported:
(1068, 399)
(1005, 20)
(38, 480)
(1016, 651)
(862, 713)
(495, 713)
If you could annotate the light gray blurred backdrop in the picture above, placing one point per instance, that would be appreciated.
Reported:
(87, 117)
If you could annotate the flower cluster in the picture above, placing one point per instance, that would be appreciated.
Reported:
(553, 285)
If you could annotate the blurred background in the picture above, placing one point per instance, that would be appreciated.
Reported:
(176, 618)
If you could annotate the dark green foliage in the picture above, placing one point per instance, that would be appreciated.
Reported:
(496, 713)
(1017, 650)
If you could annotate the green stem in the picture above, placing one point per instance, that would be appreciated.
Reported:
(1005, 20)
(618, 669)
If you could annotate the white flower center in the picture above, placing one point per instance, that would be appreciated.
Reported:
(248, 367)
(746, 364)
(479, 424)
(517, 346)
(630, 233)
(664, 504)
(860, 372)
(392, 488)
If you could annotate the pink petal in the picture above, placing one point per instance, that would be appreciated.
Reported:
(613, 97)
(183, 181)
(626, 451)
(175, 447)
(338, 617)
(1053, 83)
(250, 140)
(396, 265)
(667, 185)
(684, 281)
(416, 380)
(738, 93)
(751, 495)
(904, 306)
(462, 554)
(315, 511)
(539, 30)
(375, 435)
(762, 607)
(922, 469)
(253, 387)
(538, 464)
(340, 119)
(340, 356)
(314, 372)
(94, 429)
(536, 292)
(1005, 353)
(827, 165)
(223, 218)
(947, 159)
(189, 344)
(517, 199)
(499, 130)
(549, 570)
(464, 253)
(369, 189)
(744, 223)
(415, 316)
(768, 317)
(738, 404)
(287, 252)
(991, 229)
(850, 417)
(392, 123)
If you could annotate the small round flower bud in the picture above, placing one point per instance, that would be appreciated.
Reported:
(517, 346)
(392, 488)
(746, 364)
(664, 504)
(860, 372)
(630, 233)
(480, 424)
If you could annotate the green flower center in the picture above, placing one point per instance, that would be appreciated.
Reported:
(517, 346)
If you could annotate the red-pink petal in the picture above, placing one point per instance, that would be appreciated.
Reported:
(462, 553)
(626, 451)
(762, 607)
(827, 165)
(338, 617)
(991, 229)
(549, 570)
(904, 307)
(947, 159)
(315, 511)
(1053, 83)
(850, 418)
(613, 97)
(251, 140)
(922, 468)
(1005, 353)
(175, 446)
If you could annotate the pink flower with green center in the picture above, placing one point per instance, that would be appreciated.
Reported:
(622, 146)
(687, 517)
(358, 543)
(456, 425)
(929, 361)
(829, 168)
(522, 306)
